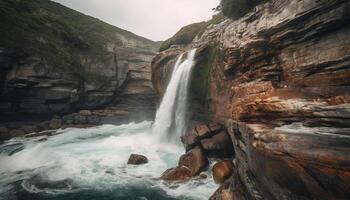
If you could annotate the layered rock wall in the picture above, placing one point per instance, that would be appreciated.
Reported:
(279, 81)
(54, 60)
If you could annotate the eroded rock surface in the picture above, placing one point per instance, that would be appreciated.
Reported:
(279, 80)
(68, 62)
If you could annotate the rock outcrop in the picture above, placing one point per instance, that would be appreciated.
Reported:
(279, 79)
(54, 60)
(136, 159)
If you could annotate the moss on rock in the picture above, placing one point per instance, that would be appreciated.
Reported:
(199, 88)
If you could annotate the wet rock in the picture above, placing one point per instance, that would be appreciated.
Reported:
(136, 159)
(69, 119)
(43, 182)
(201, 131)
(178, 174)
(17, 133)
(222, 171)
(4, 133)
(55, 123)
(44, 126)
(194, 160)
(29, 129)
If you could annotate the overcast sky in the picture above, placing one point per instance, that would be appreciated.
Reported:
(153, 19)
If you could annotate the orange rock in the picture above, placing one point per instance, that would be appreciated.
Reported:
(178, 174)
(222, 171)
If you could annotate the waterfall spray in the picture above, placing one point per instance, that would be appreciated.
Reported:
(170, 122)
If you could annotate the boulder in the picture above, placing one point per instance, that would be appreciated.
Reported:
(219, 146)
(136, 159)
(55, 123)
(190, 139)
(194, 160)
(222, 171)
(202, 130)
(178, 174)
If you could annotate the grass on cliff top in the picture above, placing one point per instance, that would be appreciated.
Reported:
(54, 35)
(186, 34)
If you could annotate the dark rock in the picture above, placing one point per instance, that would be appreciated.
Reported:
(136, 159)
(69, 119)
(44, 126)
(201, 131)
(29, 129)
(93, 119)
(178, 174)
(39, 82)
(80, 119)
(17, 133)
(222, 171)
(43, 182)
(194, 160)
(4, 133)
(55, 123)
(219, 145)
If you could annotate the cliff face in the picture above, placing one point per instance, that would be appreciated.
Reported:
(55, 60)
(279, 80)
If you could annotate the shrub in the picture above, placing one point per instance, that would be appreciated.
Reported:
(189, 32)
(184, 36)
(238, 8)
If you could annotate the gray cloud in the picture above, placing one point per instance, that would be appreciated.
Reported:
(153, 19)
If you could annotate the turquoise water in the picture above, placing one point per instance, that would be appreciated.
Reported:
(87, 164)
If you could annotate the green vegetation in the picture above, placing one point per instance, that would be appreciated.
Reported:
(200, 75)
(238, 8)
(186, 34)
(53, 36)
(229, 8)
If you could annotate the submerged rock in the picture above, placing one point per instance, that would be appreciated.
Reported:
(42, 182)
(222, 171)
(136, 159)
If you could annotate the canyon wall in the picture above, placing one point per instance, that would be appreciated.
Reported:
(279, 80)
(54, 60)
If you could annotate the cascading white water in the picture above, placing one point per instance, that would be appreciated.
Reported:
(171, 115)
(88, 164)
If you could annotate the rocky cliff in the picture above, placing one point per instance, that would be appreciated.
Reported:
(54, 60)
(278, 79)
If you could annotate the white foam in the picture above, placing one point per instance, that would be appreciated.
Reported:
(85, 155)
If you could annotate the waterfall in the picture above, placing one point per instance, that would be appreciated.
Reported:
(170, 122)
